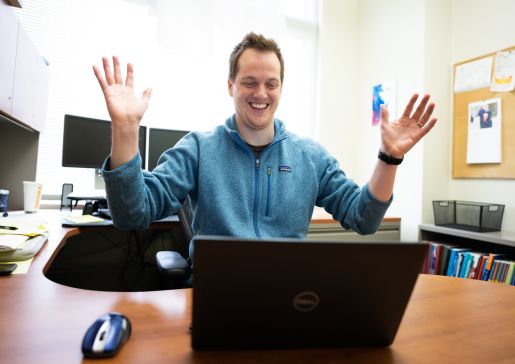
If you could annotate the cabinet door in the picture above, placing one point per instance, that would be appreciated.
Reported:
(8, 39)
(30, 84)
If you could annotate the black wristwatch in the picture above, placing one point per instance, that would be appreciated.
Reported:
(388, 159)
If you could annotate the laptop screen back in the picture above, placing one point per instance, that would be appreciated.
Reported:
(288, 293)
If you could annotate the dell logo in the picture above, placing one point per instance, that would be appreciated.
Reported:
(306, 301)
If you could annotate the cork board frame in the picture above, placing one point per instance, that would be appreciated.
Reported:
(460, 168)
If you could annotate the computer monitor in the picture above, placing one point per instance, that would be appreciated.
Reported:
(159, 140)
(87, 142)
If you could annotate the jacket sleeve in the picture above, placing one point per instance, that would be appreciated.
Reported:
(353, 206)
(136, 197)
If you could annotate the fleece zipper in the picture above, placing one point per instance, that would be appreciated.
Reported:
(256, 197)
(235, 136)
(268, 192)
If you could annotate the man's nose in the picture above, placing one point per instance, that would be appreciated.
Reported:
(260, 91)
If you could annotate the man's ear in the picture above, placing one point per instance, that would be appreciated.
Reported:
(229, 86)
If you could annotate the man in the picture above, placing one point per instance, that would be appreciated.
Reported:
(248, 177)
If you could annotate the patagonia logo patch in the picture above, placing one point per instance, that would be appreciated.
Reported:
(285, 169)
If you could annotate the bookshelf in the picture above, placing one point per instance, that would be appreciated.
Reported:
(467, 254)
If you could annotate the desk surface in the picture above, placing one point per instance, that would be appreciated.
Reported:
(447, 320)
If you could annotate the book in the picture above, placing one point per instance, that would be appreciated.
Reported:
(465, 265)
(437, 252)
(444, 259)
(453, 261)
(485, 275)
(505, 270)
(509, 275)
(459, 263)
(473, 265)
(425, 265)
(481, 264)
(494, 270)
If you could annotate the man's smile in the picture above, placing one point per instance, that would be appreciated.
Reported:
(255, 105)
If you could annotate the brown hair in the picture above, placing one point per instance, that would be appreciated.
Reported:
(259, 43)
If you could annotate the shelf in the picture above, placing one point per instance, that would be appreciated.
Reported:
(504, 238)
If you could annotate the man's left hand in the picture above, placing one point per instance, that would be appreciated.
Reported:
(399, 136)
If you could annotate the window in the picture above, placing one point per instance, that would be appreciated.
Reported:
(179, 48)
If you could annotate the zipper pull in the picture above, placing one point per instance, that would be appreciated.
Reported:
(269, 171)
(257, 163)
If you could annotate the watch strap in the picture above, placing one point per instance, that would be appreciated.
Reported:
(388, 159)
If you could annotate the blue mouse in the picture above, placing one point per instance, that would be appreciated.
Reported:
(106, 336)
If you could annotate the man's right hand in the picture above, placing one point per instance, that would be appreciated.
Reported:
(125, 109)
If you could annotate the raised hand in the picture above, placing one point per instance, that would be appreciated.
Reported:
(399, 136)
(125, 109)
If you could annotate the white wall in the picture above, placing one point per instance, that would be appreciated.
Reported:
(414, 42)
(437, 75)
(380, 43)
(338, 82)
(480, 27)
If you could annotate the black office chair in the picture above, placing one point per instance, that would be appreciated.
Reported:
(175, 268)
(65, 201)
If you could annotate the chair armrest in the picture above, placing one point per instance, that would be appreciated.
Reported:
(173, 264)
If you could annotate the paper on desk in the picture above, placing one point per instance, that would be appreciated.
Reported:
(26, 226)
(83, 219)
(22, 266)
(11, 242)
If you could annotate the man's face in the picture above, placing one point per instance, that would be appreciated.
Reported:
(256, 89)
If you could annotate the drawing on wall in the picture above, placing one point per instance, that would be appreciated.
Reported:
(484, 132)
(473, 75)
(503, 79)
(383, 94)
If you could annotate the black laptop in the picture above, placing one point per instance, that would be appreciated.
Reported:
(292, 293)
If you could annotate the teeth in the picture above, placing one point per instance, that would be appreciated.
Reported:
(258, 106)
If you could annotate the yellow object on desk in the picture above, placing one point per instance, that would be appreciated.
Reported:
(22, 266)
(83, 219)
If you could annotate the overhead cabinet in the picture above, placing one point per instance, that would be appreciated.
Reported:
(23, 73)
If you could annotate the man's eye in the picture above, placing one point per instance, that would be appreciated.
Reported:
(272, 85)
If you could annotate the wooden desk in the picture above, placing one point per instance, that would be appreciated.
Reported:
(448, 320)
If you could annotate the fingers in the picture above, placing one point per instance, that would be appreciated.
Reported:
(421, 107)
(409, 107)
(117, 73)
(129, 81)
(107, 71)
(114, 76)
(427, 127)
(427, 114)
(384, 114)
(146, 94)
(102, 82)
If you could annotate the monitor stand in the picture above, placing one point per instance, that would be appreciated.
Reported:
(99, 180)
(97, 206)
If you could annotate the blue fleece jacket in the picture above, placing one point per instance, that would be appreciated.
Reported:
(234, 193)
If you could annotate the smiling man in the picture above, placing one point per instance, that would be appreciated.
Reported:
(248, 177)
(255, 85)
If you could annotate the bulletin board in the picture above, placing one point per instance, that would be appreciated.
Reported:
(461, 101)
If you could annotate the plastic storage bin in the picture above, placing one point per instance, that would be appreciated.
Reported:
(473, 216)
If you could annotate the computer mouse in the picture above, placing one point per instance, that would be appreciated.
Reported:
(106, 336)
